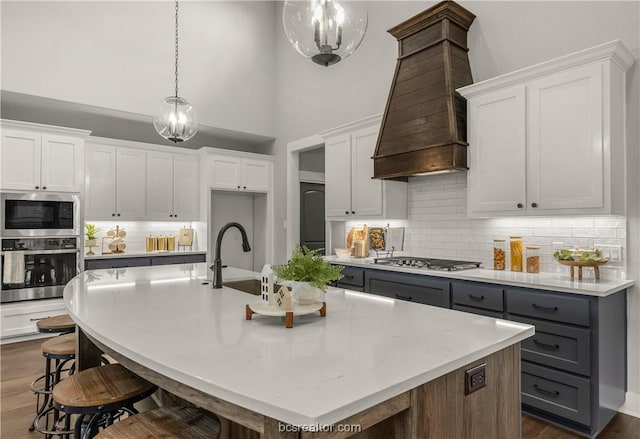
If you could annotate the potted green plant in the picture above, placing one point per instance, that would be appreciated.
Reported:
(308, 273)
(92, 239)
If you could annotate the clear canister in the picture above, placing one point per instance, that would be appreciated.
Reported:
(151, 243)
(162, 243)
(516, 253)
(499, 254)
(171, 243)
(533, 259)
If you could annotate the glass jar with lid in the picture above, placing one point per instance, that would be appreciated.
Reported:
(499, 254)
(533, 259)
(516, 253)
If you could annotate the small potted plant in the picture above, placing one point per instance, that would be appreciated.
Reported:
(92, 239)
(308, 273)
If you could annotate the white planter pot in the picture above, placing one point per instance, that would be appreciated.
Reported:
(305, 294)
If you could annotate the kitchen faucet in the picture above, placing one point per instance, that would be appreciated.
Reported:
(217, 263)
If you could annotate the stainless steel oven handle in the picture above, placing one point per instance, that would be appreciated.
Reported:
(44, 252)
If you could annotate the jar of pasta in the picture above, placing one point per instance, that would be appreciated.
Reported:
(499, 254)
(533, 259)
(516, 253)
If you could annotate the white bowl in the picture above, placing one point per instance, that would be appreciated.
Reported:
(342, 252)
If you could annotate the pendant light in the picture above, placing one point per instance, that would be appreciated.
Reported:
(325, 31)
(176, 119)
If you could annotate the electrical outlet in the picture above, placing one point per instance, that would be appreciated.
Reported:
(475, 378)
(612, 252)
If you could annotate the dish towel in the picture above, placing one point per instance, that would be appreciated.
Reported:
(13, 272)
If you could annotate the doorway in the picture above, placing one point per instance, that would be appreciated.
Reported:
(312, 226)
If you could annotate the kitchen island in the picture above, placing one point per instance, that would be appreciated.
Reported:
(389, 366)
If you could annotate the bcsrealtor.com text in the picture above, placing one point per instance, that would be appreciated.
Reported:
(319, 428)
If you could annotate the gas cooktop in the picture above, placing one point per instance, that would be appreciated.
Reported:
(427, 263)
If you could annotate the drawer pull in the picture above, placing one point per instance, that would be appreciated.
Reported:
(409, 298)
(348, 277)
(545, 308)
(554, 347)
(553, 393)
(474, 297)
(41, 318)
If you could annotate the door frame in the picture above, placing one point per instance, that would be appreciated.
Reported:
(293, 186)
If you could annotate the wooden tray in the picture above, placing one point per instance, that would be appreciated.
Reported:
(264, 309)
(572, 264)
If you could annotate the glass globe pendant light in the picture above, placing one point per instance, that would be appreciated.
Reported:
(176, 119)
(325, 31)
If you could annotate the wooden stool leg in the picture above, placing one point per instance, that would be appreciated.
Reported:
(288, 319)
(579, 273)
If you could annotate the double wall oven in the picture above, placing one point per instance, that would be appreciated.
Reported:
(40, 237)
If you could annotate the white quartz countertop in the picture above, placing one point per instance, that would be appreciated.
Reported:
(144, 254)
(365, 351)
(544, 281)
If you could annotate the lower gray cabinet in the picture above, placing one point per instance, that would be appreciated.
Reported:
(352, 279)
(143, 261)
(413, 288)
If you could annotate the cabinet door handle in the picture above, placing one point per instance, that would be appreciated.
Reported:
(520, 206)
(346, 212)
(238, 186)
(118, 214)
(170, 216)
(553, 347)
(353, 212)
(409, 298)
(244, 187)
(44, 188)
(37, 187)
(175, 215)
(474, 297)
(553, 393)
(534, 205)
(41, 318)
(348, 277)
(113, 214)
(545, 308)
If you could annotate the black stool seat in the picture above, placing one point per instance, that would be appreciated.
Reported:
(171, 422)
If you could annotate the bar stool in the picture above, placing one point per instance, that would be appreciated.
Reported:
(57, 352)
(62, 324)
(103, 393)
(169, 422)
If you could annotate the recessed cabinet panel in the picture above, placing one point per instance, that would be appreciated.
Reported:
(225, 172)
(131, 183)
(100, 182)
(338, 177)
(159, 185)
(61, 164)
(256, 175)
(496, 181)
(366, 192)
(20, 160)
(186, 184)
(566, 147)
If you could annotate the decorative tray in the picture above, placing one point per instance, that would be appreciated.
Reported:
(274, 311)
(572, 264)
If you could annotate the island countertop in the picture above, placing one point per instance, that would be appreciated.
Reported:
(323, 370)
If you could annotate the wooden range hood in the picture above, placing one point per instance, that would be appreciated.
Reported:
(424, 125)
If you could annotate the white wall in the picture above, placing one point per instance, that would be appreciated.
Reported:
(505, 36)
(120, 55)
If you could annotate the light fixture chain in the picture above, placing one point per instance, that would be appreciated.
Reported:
(176, 48)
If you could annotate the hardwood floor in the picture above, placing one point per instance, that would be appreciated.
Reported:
(22, 362)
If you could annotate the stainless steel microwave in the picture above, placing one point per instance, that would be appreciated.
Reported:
(39, 214)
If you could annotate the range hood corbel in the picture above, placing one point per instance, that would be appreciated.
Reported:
(424, 124)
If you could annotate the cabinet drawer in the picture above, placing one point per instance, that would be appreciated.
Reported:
(413, 288)
(21, 319)
(178, 259)
(560, 346)
(547, 306)
(91, 264)
(480, 311)
(353, 277)
(556, 392)
(477, 296)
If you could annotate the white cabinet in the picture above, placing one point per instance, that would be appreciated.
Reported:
(172, 186)
(550, 139)
(239, 172)
(115, 183)
(41, 158)
(350, 190)
(20, 318)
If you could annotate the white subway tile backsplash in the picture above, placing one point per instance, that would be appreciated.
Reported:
(438, 226)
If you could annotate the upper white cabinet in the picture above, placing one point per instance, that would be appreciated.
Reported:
(140, 182)
(550, 139)
(239, 171)
(172, 186)
(115, 182)
(41, 157)
(350, 190)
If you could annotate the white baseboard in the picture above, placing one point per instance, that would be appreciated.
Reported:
(631, 405)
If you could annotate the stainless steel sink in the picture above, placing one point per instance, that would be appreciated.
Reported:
(251, 286)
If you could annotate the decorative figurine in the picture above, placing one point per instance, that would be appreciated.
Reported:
(266, 284)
